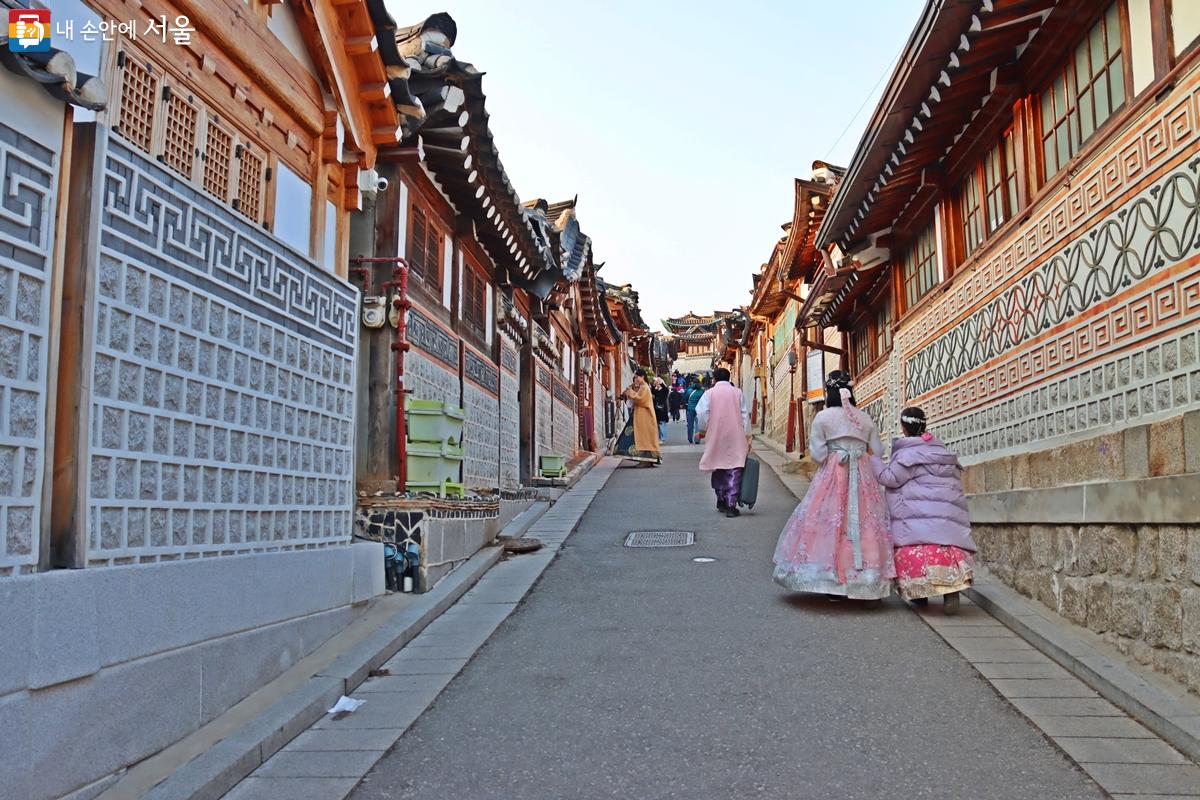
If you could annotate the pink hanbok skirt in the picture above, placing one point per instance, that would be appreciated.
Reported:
(821, 548)
(929, 570)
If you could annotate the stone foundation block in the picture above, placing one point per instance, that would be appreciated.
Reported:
(1191, 441)
(1099, 605)
(1162, 617)
(1172, 552)
(1189, 601)
(1166, 447)
(1146, 561)
(1127, 600)
(1073, 599)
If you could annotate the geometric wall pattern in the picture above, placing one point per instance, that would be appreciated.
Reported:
(510, 416)
(1156, 379)
(28, 183)
(222, 367)
(481, 438)
(1157, 229)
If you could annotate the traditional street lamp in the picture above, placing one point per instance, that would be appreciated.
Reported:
(791, 429)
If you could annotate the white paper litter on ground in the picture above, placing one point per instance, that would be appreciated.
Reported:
(346, 705)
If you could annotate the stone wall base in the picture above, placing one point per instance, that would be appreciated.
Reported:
(444, 538)
(1138, 586)
(143, 655)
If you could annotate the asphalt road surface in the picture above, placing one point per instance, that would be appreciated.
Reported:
(638, 673)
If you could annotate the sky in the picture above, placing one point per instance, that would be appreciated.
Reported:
(680, 125)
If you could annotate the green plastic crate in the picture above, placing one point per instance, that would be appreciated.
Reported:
(424, 462)
(440, 488)
(433, 462)
(434, 421)
(552, 465)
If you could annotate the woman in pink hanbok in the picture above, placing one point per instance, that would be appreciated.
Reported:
(837, 541)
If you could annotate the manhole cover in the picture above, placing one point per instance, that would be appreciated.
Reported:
(660, 539)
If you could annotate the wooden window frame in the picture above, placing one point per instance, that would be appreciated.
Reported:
(428, 275)
(885, 318)
(968, 197)
(926, 234)
(1064, 73)
(473, 278)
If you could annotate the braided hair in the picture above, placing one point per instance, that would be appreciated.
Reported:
(913, 420)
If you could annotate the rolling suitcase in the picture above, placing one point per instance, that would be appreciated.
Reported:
(748, 493)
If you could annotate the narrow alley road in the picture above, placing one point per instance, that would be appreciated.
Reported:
(639, 673)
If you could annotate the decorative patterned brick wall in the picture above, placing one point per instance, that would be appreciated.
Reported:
(1083, 318)
(510, 415)
(222, 379)
(544, 410)
(431, 365)
(28, 185)
(565, 423)
(481, 438)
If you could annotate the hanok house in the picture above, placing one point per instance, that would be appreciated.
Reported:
(495, 289)
(1020, 218)
(695, 338)
(786, 350)
(178, 343)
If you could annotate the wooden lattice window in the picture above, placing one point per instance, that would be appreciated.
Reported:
(883, 327)
(920, 266)
(139, 90)
(1085, 92)
(1000, 183)
(179, 137)
(218, 157)
(424, 249)
(860, 344)
(972, 214)
(250, 183)
(474, 292)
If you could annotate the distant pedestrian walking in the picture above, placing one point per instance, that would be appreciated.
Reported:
(677, 402)
(693, 394)
(724, 422)
(662, 407)
(639, 440)
(931, 529)
(837, 540)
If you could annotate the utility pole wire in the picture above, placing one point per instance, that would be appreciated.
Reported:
(870, 94)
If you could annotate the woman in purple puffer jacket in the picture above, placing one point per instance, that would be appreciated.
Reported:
(931, 530)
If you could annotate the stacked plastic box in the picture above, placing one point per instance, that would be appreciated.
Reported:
(435, 453)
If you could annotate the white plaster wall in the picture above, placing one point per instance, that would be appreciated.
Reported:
(83, 649)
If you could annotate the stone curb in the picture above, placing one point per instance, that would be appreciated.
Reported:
(521, 523)
(1174, 717)
(216, 771)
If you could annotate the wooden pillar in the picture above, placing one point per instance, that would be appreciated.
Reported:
(65, 546)
(528, 403)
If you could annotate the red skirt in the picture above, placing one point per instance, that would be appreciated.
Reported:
(929, 570)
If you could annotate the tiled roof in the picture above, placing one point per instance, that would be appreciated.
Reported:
(55, 70)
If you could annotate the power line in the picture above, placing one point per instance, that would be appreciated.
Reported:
(870, 94)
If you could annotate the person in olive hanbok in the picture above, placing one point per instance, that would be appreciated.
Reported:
(639, 441)
(837, 541)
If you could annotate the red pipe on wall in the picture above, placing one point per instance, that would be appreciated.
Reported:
(400, 346)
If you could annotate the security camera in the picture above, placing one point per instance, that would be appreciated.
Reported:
(370, 182)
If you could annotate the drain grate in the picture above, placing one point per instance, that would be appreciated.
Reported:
(660, 539)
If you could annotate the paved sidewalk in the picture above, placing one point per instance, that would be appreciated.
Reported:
(1123, 757)
(326, 761)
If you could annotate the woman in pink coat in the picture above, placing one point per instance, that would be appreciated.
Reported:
(931, 530)
(837, 539)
